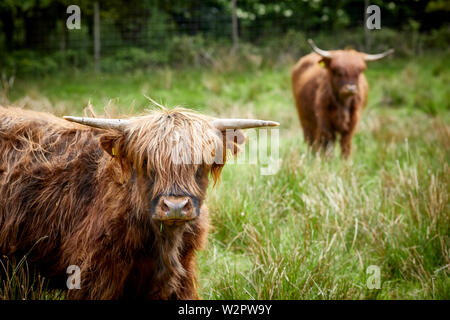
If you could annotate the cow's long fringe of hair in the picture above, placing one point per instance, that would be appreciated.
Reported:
(57, 181)
(171, 144)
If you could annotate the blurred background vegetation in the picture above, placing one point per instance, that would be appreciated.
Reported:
(145, 34)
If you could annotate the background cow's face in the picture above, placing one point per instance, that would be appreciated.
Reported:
(345, 68)
(169, 160)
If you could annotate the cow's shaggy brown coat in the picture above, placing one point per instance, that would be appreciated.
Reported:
(324, 107)
(57, 181)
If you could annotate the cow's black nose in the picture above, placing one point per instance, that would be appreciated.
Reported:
(174, 208)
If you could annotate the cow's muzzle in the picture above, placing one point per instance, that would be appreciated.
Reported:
(349, 90)
(174, 209)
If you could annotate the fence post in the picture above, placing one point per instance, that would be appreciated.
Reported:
(234, 22)
(97, 36)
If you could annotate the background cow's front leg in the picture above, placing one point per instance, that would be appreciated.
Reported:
(346, 143)
(346, 136)
(325, 139)
(325, 136)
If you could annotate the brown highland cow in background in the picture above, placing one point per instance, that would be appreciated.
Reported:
(112, 197)
(329, 98)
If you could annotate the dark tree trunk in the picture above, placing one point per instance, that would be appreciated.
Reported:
(8, 28)
(38, 24)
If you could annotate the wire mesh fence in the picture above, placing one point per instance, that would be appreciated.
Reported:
(138, 34)
(148, 26)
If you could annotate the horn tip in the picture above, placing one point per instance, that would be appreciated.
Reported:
(273, 123)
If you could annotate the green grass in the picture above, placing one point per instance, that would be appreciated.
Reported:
(311, 230)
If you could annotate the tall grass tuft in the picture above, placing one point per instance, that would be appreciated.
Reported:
(19, 282)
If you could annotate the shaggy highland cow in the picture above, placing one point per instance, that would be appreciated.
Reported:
(121, 199)
(329, 98)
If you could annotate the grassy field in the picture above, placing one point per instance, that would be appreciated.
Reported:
(311, 230)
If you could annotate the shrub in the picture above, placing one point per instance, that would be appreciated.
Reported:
(185, 50)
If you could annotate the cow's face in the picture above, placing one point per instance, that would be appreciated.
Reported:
(170, 160)
(344, 68)
(165, 158)
(177, 204)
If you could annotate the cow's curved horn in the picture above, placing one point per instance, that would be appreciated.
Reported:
(99, 122)
(223, 124)
(378, 56)
(323, 53)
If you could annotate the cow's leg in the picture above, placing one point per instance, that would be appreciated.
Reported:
(309, 134)
(325, 137)
(309, 126)
(327, 142)
(346, 137)
(102, 278)
(346, 144)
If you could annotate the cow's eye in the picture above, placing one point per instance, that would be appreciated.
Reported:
(145, 164)
(199, 172)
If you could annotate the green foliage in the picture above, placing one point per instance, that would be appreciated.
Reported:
(132, 59)
(423, 88)
(33, 24)
(18, 282)
(28, 62)
(185, 51)
(438, 38)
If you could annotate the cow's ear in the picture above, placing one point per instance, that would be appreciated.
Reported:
(110, 142)
(233, 139)
(325, 62)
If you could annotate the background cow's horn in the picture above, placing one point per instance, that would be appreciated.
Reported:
(223, 124)
(99, 122)
(378, 56)
(323, 53)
